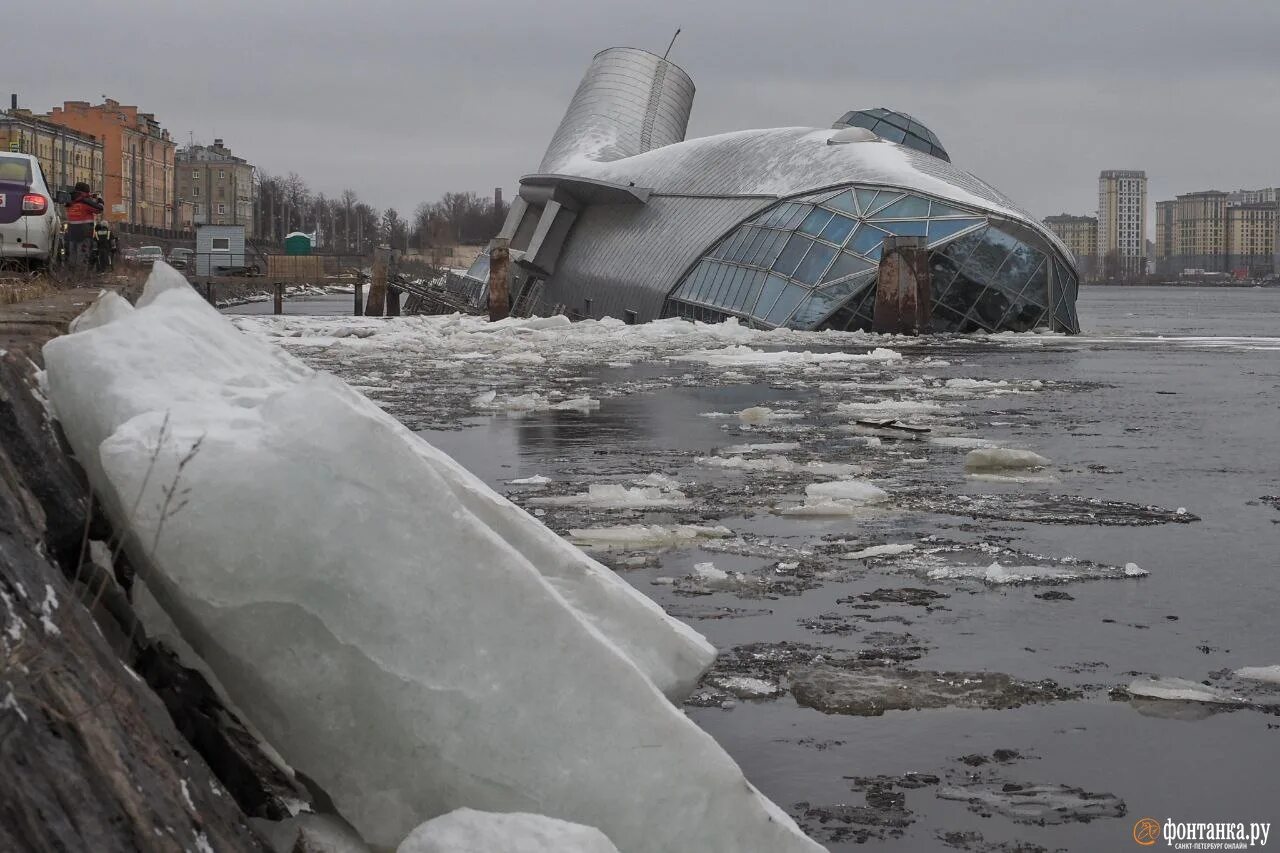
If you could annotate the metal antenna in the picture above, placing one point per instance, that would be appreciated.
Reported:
(673, 41)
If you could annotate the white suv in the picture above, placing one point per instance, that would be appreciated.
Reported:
(30, 221)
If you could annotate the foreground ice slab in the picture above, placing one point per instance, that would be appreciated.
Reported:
(470, 831)
(401, 634)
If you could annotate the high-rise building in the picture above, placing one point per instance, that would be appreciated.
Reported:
(1080, 234)
(1122, 223)
(1166, 237)
(1251, 238)
(215, 185)
(1262, 196)
(138, 155)
(66, 157)
(1201, 231)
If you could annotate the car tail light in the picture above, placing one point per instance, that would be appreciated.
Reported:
(34, 204)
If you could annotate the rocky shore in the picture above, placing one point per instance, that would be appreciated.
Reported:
(108, 744)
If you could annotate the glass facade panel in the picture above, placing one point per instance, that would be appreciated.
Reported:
(906, 227)
(866, 199)
(795, 217)
(772, 286)
(889, 132)
(791, 256)
(785, 266)
(846, 265)
(787, 302)
(937, 208)
(815, 263)
(843, 202)
(814, 222)
(883, 200)
(838, 230)
(940, 229)
(759, 239)
(910, 207)
(867, 240)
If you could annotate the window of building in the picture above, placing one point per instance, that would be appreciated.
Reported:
(195, 174)
(222, 175)
(222, 208)
(221, 244)
(195, 191)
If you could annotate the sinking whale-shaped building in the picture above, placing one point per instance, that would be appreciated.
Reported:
(779, 228)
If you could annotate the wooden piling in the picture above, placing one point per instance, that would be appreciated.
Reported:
(208, 294)
(359, 297)
(278, 301)
(499, 266)
(904, 296)
(393, 301)
(376, 305)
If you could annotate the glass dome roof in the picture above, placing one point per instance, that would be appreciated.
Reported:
(896, 127)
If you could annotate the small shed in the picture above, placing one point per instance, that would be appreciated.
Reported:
(297, 243)
(219, 248)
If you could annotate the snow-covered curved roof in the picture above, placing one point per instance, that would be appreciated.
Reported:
(788, 161)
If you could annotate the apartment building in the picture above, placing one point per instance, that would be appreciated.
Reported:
(1080, 234)
(215, 186)
(1122, 222)
(66, 156)
(138, 159)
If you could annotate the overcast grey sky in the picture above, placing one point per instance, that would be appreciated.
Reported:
(403, 101)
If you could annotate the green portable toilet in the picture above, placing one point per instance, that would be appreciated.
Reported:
(297, 243)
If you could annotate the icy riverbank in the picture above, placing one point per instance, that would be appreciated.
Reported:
(403, 635)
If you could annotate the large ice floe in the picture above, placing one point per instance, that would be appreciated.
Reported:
(408, 639)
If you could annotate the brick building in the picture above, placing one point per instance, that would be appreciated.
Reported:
(138, 157)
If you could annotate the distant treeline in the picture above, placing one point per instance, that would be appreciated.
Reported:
(347, 224)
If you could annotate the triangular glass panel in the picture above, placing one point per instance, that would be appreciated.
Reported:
(846, 265)
(908, 207)
(883, 200)
(866, 241)
(937, 209)
(941, 229)
(843, 202)
(866, 200)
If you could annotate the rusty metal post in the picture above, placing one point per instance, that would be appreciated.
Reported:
(278, 302)
(904, 296)
(378, 287)
(499, 266)
(359, 297)
(208, 294)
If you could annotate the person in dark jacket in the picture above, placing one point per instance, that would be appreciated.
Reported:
(102, 240)
(83, 208)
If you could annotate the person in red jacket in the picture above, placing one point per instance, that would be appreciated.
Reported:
(83, 208)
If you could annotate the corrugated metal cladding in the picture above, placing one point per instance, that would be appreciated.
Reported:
(629, 101)
(628, 257)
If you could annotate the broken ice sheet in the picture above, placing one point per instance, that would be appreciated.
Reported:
(641, 536)
(1035, 803)
(617, 496)
(1180, 690)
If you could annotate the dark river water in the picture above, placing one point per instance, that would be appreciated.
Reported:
(1170, 398)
